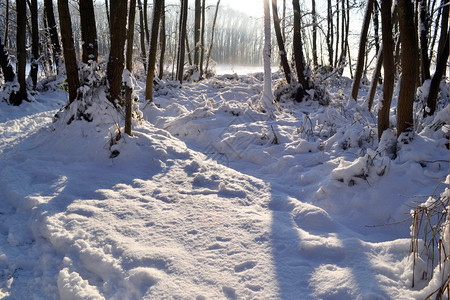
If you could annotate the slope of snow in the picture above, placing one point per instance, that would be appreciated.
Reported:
(213, 199)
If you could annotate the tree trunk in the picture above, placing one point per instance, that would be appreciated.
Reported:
(69, 49)
(6, 21)
(202, 38)
(408, 40)
(129, 66)
(283, 54)
(142, 35)
(147, 32)
(108, 15)
(440, 68)
(56, 48)
(298, 52)
(21, 10)
(330, 33)
(314, 34)
(444, 27)
(376, 25)
(212, 36)
(158, 7)
(162, 40)
(376, 76)
(188, 49)
(267, 95)
(116, 57)
(198, 16)
(423, 32)
(88, 31)
(337, 35)
(34, 42)
(5, 63)
(181, 40)
(388, 66)
(362, 50)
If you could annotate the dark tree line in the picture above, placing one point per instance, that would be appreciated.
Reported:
(190, 34)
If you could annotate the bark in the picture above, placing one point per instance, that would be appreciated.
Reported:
(212, 36)
(142, 35)
(5, 63)
(267, 96)
(436, 80)
(362, 50)
(444, 26)
(337, 34)
(69, 49)
(376, 25)
(202, 38)
(88, 31)
(280, 41)
(21, 10)
(330, 33)
(116, 57)
(376, 76)
(388, 66)
(158, 6)
(147, 32)
(198, 16)
(408, 40)
(423, 31)
(298, 51)
(56, 48)
(129, 66)
(34, 42)
(188, 49)
(162, 40)
(108, 15)
(181, 40)
(6, 21)
(314, 34)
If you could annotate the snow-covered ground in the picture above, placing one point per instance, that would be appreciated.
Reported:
(214, 199)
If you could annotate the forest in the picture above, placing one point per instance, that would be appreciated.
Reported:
(132, 168)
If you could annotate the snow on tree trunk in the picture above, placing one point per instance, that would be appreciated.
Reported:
(267, 96)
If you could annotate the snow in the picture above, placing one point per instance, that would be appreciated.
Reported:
(213, 199)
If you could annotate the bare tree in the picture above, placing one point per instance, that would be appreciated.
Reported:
(21, 10)
(388, 65)
(116, 57)
(69, 49)
(423, 34)
(436, 80)
(314, 33)
(362, 50)
(212, 36)
(88, 31)
(5, 63)
(158, 7)
(408, 39)
(142, 35)
(34, 41)
(280, 41)
(181, 40)
(129, 66)
(202, 39)
(162, 40)
(300, 65)
(198, 17)
(267, 95)
(56, 48)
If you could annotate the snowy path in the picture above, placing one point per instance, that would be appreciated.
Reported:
(165, 220)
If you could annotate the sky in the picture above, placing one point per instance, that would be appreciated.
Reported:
(253, 8)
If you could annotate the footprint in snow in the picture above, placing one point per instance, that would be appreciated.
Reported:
(245, 266)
